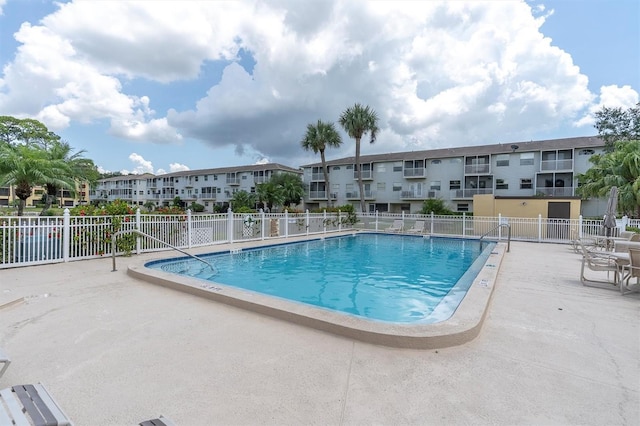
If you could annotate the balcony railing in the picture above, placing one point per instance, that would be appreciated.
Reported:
(317, 177)
(260, 179)
(233, 181)
(546, 165)
(355, 195)
(366, 174)
(476, 169)
(470, 192)
(419, 195)
(417, 172)
(566, 191)
(317, 195)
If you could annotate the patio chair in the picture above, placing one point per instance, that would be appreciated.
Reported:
(397, 226)
(160, 421)
(30, 405)
(632, 270)
(417, 228)
(599, 262)
(4, 359)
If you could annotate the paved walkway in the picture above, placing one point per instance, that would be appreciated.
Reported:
(115, 351)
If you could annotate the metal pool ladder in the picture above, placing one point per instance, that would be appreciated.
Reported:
(142, 234)
(508, 235)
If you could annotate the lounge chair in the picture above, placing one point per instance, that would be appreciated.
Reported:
(160, 421)
(4, 359)
(598, 261)
(30, 405)
(397, 226)
(417, 228)
(632, 271)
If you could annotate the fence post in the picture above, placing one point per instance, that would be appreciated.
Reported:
(307, 214)
(377, 220)
(499, 227)
(339, 222)
(189, 228)
(431, 224)
(539, 228)
(139, 228)
(402, 216)
(324, 222)
(580, 227)
(286, 223)
(66, 234)
(464, 224)
(230, 225)
(262, 224)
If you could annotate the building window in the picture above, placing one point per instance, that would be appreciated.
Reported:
(381, 186)
(397, 187)
(454, 184)
(463, 207)
(381, 168)
(526, 184)
(436, 161)
(336, 168)
(215, 177)
(586, 152)
(455, 161)
(244, 177)
(502, 184)
(502, 160)
(526, 159)
(435, 185)
(397, 168)
(349, 167)
(206, 178)
(196, 178)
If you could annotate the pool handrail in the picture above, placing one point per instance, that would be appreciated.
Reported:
(142, 234)
(508, 234)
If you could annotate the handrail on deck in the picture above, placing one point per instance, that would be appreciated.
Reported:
(508, 234)
(142, 234)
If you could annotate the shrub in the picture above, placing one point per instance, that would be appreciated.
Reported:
(196, 208)
(435, 205)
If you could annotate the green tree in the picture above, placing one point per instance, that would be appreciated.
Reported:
(318, 138)
(150, 206)
(435, 205)
(242, 199)
(25, 166)
(80, 169)
(620, 168)
(27, 131)
(618, 125)
(270, 194)
(291, 187)
(358, 121)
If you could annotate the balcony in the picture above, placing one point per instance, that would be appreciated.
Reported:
(469, 192)
(355, 195)
(477, 169)
(366, 174)
(260, 179)
(566, 191)
(233, 181)
(317, 195)
(547, 165)
(317, 177)
(418, 172)
(419, 195)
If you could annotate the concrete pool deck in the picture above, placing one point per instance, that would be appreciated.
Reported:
(114, 350)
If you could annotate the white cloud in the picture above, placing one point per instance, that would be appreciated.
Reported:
(611, 97)
(141, 165)
(438, 73)
(177, 167)
(2, 3)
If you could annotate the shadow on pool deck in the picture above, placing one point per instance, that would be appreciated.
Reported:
(114, 350)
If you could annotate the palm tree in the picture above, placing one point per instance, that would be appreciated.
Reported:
(317, 139)
(26, 166)
(270, 194)
(80, 169)
(357, 121)
(243, 199)
(291, 187)
(620, 168)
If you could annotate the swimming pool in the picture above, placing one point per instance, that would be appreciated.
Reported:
(433, 306)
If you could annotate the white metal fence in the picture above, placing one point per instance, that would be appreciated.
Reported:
(36, 240)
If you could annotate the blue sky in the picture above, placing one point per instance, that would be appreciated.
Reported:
(167, 86)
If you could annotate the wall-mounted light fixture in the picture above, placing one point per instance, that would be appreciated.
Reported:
(514, 147)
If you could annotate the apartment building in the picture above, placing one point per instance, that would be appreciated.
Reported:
(209, 187)
(402, 181)
(64, 198)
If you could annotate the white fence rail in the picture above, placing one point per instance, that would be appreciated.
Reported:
(29, 240)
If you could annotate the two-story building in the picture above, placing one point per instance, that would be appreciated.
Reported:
(402, 181)
(209, 187)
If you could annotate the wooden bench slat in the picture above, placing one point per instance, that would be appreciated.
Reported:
(29, 406)
(54, 408)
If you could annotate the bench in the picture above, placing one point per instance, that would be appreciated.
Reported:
(30, 405)
(160, 421)
(4, 358)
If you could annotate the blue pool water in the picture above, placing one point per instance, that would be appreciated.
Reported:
(392, 278)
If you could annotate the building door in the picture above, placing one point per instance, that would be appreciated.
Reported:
(559, 214)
